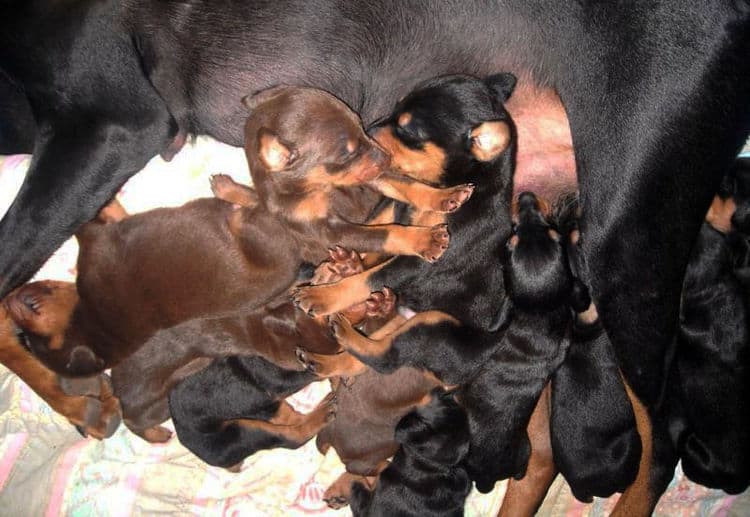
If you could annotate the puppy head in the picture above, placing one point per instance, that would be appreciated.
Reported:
(448, 123)
(436, 432)
(301, 140)
(44, 312)
(538, 275)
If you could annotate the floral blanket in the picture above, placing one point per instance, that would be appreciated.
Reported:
(48, 469)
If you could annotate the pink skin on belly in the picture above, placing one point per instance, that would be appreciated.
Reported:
(545, 161)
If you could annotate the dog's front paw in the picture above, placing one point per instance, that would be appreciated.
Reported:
(222, 185)
(457, 196)
(316, 300)
(98, 418)
(340, 264)
(381, 304)
(436, 243)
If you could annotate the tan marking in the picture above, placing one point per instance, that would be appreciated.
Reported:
(56, 300)
(404, 119)
(350, 339)
(575, 236)
(589, 316)
(525, 495)
(420, 241)
(489, 140)
(312, 207)
(720, 214)
(342, 364)
(638, 500)
(290, 424)
(45, 383)
(112, 212)
(427, 164)
(420, 195)
(274, 155)
(329, 298)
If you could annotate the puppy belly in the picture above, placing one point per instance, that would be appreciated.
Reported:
(545, 161)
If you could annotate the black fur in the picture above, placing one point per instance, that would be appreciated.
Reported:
(501, 398)
(595, 443)
(232, 388)
(426, 476)
(707, 398)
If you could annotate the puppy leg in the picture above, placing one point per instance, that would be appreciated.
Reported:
(322, 300)
(422, 196)
(293, 426)
(427, 242)
(343, 364)
(364, 346)
(224, 187)
(525, 495)
(655, 469)
(97, 416)
(112, 212)
(338, 493)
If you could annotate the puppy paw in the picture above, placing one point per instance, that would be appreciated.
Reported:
(157, 434)
(381, 304)
(437, 243)
(457, 196)
(222, 185)
(340, 264)
(100, 418)
(306, 360)
(319, 300)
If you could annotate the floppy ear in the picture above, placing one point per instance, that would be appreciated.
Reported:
(502, 84)
(489, 139)
(273, 152)
(83, 361)
(254, 100)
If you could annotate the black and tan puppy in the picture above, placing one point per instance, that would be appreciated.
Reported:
(501, 398)
(450, 130)
(426, 476)
(707, 394)
(310, 160)
(592, 427)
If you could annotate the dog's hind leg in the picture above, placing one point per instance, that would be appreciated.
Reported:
(524, 496)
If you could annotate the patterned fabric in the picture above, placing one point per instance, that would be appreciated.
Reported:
(48, 469)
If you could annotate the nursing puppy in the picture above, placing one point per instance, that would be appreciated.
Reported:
(592, 428)
(426, 476)
(310, 160)
(707, 403)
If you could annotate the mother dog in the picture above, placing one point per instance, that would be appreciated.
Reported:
(656, 95)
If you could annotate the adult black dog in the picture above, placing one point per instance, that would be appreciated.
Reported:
(100, 86)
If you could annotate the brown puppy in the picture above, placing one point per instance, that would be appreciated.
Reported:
(310, 160)
(143, 381)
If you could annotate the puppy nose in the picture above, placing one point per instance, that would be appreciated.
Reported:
(527, 200)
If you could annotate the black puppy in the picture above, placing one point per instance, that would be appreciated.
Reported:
(450, 130)
(426, 476)
(593, 434)
(707, 394)
(236, 407)
(500, 400)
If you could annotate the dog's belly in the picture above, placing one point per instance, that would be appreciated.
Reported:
(545, 163)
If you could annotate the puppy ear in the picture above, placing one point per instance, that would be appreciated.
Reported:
(83, 361)
(273, 152)
(502, 84)
(489, 139)
(254, 100)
